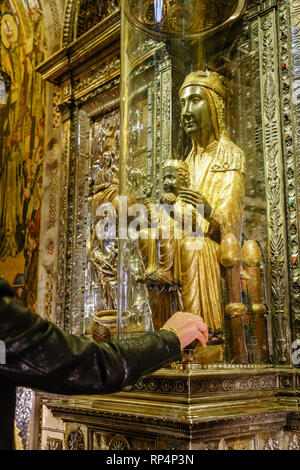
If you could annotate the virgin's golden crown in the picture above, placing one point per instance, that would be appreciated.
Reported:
(211, 80)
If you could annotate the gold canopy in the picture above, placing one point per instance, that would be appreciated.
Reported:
(175, 17)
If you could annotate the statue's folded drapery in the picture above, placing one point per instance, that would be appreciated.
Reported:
(218, 174)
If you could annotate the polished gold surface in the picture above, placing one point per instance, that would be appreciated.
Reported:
(217, 169)
(235, 309)
(230, 251)
(251, 254)
(211, 176)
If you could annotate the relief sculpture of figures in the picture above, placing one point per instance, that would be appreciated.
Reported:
(103, 253)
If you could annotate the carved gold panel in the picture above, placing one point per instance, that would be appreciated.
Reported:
(116, 441)
(240, 444)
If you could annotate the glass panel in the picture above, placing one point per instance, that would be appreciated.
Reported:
(192, 176)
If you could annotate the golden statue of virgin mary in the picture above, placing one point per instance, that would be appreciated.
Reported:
(217, 169)
(214, 174)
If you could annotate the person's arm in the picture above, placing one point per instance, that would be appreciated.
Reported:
(40, 355)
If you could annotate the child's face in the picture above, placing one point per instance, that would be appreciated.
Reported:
(171, 181)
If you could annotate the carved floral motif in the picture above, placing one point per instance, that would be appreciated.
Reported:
(276, 228)
(119, 443)
(99, 74)
(289, 29)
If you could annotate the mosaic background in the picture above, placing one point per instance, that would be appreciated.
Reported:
(22, 127)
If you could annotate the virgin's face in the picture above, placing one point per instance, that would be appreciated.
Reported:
(195, 111)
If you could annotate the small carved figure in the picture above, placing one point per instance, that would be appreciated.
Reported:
(160, 243)
(109, 172)
(103, 253)
(160, 253)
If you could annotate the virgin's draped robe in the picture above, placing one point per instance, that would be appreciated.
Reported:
(218, 174)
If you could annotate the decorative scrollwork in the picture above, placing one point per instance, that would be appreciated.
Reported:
(276, 230)
(92, 12)
(266, 24)
(289, 24)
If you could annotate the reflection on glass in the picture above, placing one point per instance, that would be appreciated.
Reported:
(191, 149)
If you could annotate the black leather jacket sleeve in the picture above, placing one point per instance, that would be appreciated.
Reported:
(40, 355)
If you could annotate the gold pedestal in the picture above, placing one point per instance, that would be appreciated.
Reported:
(242, 408)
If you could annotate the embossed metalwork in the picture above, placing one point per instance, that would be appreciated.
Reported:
(48, 304)
(24, 397)
(77, 298)
(281, 175)
(111, 441)
(274, 189)
(294, 443)
(75, 440)
(239, 444)
(83, 15)
(119, 442)
(103, 254)
(77, 224)
(278, 241)
(62, 221)
(291, 163)
(96, 76)
(271, 444)
(175, 424)
(67, 35)
(52, 198)
(204, 386)
(91, 12)
(292, 125)
(55, 104)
